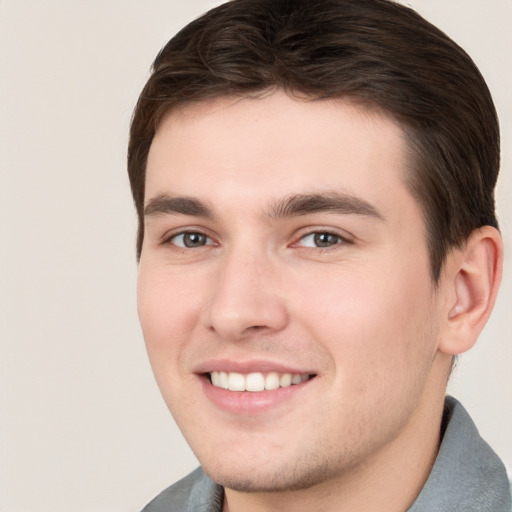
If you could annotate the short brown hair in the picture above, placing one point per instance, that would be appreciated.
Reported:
(378, 51)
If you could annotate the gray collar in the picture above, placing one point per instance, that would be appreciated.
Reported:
(467, 474)
(467, 477)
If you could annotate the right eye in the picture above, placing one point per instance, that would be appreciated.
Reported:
(321, 239)
(190, 240)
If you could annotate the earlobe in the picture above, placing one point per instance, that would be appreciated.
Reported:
(473, 278)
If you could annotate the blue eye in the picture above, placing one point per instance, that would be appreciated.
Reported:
(321, 239)
(191, 240)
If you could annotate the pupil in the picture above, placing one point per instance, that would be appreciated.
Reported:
(325, 239)
(194, 239)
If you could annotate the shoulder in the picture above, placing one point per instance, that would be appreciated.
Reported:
(195, 492)
(467, 474)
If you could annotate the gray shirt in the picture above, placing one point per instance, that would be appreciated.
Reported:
(467, 476)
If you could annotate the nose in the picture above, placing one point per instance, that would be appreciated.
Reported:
(246, 298)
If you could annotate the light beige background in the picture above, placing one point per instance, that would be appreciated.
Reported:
(82, 425)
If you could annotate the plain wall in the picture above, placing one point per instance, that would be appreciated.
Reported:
(82, 424)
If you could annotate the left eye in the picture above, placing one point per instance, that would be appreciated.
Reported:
(191, 240)
(321, 239)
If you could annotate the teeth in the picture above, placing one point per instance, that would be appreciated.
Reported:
(296, 379)
(285, 380)
(220, 379)
(256, 381)
(236, 382)
(272, 381)
(223, 380)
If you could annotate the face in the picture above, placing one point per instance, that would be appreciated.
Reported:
(284, 289)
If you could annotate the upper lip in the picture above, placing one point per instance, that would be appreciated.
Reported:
(249, 366)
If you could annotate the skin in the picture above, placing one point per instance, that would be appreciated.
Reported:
(361, 314)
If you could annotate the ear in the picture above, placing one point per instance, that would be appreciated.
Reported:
(471, 279)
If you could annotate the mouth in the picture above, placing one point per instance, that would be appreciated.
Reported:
(256, 381)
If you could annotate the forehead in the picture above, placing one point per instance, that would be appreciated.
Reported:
(273, 146)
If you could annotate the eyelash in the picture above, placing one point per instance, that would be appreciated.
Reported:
(341, 240)
(169, 239)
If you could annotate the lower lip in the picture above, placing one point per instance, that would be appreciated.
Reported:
(249, 402)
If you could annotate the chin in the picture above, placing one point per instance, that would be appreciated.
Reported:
(301, 475)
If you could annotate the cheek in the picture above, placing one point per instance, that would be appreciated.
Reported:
(167, 309)
(376, 325)
(168, 313)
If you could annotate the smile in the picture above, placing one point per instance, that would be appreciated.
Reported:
(256, 381)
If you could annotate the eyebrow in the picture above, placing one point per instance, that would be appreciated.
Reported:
(165, 204)
(336, 202)
(291, 206)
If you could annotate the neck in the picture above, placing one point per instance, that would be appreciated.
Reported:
(390, 481)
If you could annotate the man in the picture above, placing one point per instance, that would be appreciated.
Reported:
(317, 241)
